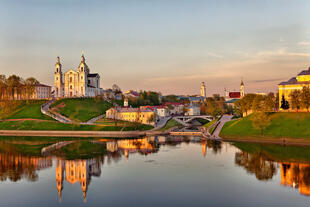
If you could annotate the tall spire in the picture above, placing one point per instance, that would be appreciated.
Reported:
(82, 58)
(242, 84)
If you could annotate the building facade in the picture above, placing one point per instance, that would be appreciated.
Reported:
(203, 92)
(144, 116)
(295, 83)
(80, 83)
(41, 91)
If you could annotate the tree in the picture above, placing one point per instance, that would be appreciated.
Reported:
(260, 120)
(296, 99)
(284, 103)
(305, 98)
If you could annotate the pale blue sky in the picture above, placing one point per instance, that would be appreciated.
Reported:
(164, 45)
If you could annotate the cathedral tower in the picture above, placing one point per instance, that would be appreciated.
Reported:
(242, 93)
(58, 83)
(83, 74)
(203, 90)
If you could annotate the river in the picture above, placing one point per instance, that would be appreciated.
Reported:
(152, 171)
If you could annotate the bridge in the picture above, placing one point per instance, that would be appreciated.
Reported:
(186, 120)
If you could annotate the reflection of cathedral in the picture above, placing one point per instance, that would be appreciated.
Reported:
(76, 171)
(297, 176)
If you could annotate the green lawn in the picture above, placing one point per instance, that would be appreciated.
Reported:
(29, 110)
(288, 125)
(207, 125)
(81, 109)
(171, 123)
(53, 125)
(26, 110)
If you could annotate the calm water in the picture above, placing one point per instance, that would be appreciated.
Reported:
(154, 171)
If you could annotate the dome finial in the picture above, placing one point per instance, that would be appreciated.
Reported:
(83, 58)
(58, 60)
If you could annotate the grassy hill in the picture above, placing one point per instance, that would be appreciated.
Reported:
(26, 110)
(81, 109)
(282, 125)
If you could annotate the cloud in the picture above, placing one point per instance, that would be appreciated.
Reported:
(214, 55)
(304, 43)
(281, 52)
(267, 80)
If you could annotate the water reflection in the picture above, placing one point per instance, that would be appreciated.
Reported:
(77, 162)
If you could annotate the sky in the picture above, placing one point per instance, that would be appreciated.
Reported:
(162, 45)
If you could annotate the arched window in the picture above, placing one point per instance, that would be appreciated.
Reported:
(81, 77)
(82, 69)
(70, 79)
(71, 87)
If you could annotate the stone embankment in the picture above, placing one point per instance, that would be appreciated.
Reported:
(80, 133)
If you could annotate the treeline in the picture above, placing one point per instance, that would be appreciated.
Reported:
(256, 103)
(145, 98)
(300, 99)
(260, 105)
(16, 88)
(215, 106)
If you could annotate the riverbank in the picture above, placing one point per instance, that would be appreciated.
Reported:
(282, 128)
(116, 134)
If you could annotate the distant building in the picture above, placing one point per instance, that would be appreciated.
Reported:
(144, 116)
(232, 96)
(203, 90)
(131, 94)
(192, 110)
(80, 83)
(41, 91)
(295, 83)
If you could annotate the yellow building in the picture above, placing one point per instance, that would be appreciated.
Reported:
(295, 83)
(144, 116)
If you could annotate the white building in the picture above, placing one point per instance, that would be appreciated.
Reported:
(193, 111)
(41, 91)
(162, 111)
(80, 83)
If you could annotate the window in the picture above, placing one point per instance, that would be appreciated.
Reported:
(71, 87)
(70, 79)
(88, 81)
(81, 77)
(82, 69)
(57, 78)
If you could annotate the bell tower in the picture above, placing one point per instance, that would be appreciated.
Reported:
(58, 83)
(83, 73)
(242, 93)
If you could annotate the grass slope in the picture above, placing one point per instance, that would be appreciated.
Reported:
(81, 109)
(53, 125)
(28, 110)
(171, 123)
(288, 125)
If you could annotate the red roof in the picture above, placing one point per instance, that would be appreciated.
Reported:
(234, 95)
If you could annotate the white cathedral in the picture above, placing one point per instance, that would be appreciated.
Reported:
(80, 83)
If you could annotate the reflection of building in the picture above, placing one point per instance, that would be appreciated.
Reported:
(76, 171)
(131, 146)
(297, 176)
(16, 167)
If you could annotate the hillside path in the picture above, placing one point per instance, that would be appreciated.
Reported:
(223, 120)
